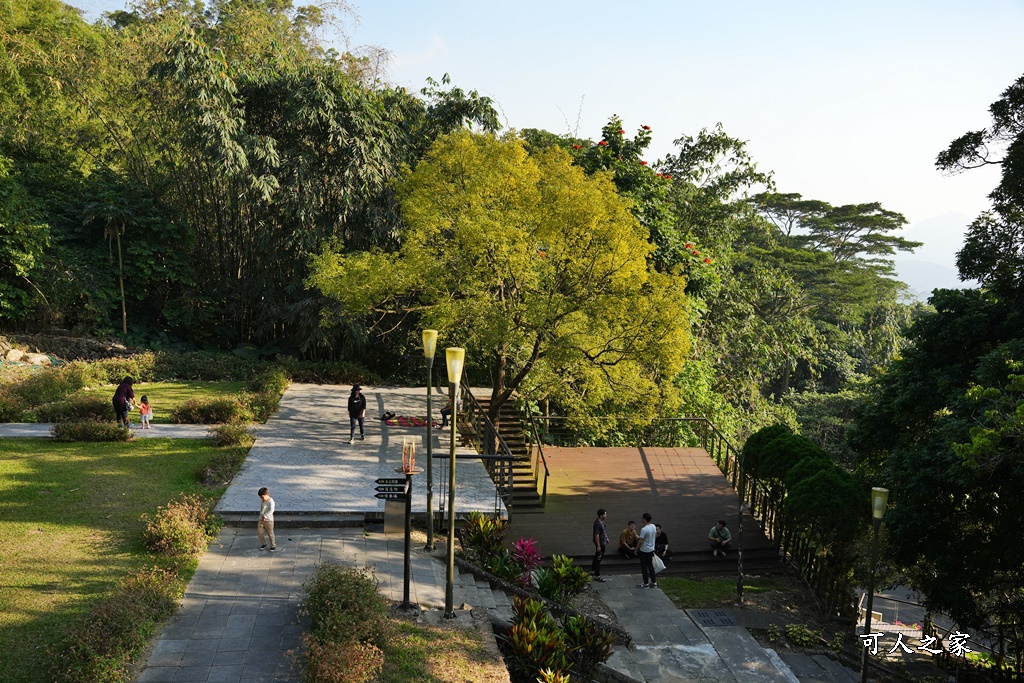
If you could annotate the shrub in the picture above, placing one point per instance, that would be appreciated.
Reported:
(181, 529)
(753, 447)
(341, 662)
(50, 384)
(526, 555)
(204, 365)
(549, 676)
(81, 406)
(232, 435)
(11, 406)
(587, 645)
(261, 405)
(483, 536)
(504, 566)
(222, 467)
(141, 367)
(90, 430)
(343, 605)
(209, 411)
(116, 628)
(781, 454)
(535, 642)
(807, 468)
(569, 579)
(547, 583)
(340, 372)
(800, 634)
(272, 379)
(350, 625)
(831, 505)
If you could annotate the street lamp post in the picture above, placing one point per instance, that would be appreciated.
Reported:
(429, 347)
(879, 498)
(455, 357)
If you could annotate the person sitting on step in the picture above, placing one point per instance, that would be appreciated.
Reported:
(720, 538)
(629, 541)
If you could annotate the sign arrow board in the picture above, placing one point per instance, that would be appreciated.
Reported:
(391, 496)
(391, 481)
(390, 489)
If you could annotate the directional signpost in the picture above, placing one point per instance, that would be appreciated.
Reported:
(399, 490)
(392, 488)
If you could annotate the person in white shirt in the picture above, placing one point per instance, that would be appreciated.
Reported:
(266, 523)
(647, 532)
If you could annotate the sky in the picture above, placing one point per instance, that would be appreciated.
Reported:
(842, 102)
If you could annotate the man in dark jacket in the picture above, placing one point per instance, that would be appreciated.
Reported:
(356, 412)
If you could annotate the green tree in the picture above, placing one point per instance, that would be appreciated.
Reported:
(942, 427)
(992, 252)
(23, 239)
(539, 270)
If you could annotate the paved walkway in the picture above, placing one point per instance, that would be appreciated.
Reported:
(160, 431)
(239, 620)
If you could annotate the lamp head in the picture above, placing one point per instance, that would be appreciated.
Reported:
(879, 498)
(456, 358)
(429, 343)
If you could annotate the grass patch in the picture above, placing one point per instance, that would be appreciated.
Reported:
(71, 529)
(419, 652)
(166, 396)
(707, 592)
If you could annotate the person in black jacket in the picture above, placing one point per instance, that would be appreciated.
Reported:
(661, 543)
(356, 412)
(123, 401)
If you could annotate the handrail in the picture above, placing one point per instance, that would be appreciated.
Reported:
(541, 461)
(488, 441)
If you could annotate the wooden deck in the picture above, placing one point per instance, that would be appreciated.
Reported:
(682, 488)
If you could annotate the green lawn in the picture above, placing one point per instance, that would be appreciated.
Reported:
(705, 593)
(166, 396)
(70, 528)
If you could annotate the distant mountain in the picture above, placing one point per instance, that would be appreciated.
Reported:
(924, 276)
(933, 265)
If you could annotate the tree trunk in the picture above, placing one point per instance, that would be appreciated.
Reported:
(120, 277)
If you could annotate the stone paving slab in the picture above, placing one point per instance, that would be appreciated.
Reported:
(671, 646)
(303, 455)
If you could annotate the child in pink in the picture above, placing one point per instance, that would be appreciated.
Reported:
(145, 412)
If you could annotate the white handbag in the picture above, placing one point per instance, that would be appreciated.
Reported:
(659, 566)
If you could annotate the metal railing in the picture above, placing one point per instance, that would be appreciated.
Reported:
(831, 588)
(537, 460)
(495, 453)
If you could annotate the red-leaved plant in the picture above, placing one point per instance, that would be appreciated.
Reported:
(526, 555)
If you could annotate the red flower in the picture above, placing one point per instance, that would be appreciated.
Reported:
(689, 245)
(647, 127)
(707, 260)
(621, 132)
(643, 163)
(577, 146)
(696, 253)
(603, 143)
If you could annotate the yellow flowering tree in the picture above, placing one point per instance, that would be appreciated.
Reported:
(540, 271)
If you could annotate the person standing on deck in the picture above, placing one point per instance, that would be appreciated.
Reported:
(600, 543)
